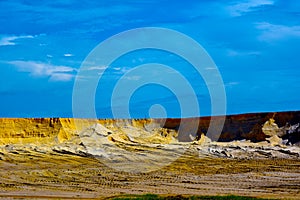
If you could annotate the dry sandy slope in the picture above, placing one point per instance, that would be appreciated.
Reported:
(34, 173)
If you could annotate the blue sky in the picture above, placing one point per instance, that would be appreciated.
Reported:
(254, 43)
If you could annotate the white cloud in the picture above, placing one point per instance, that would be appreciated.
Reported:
(11, 40)
(68, 55)
(232, 83)
(240, 8)
(272, 32)
(38, 69)
(133, 78)
(210, 68)
(100, 68)
(61, 77)
(233, 53)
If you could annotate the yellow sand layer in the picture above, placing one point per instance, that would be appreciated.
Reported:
(50, 130)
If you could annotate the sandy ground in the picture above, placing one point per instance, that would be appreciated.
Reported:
(25, 173)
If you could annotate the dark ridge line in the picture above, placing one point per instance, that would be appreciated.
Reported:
(205, 116)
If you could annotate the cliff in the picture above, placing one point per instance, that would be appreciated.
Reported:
(53, 130)
(243, 126)
(33, 130)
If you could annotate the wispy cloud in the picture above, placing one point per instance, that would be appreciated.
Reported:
(100, 68)
(233, 53)
(240, 8)
(68, 55)
(271, 32)
(133, 78)
(38, 69)
(11, 40)
(61, 77)
(232, 83)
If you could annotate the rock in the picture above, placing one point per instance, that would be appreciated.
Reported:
(275, 140)
(95, 136)
(97, 129)
(270, 128)
(290, 152)
(203, 140)
(293, 135)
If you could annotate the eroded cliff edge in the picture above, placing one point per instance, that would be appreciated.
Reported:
(57, 130)
(144, 145)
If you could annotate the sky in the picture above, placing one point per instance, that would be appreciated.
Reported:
(255, 45)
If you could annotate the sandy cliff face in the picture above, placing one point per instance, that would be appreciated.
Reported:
(28, 130)
(32, 130)
(57, 130)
